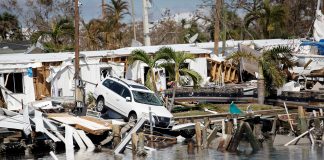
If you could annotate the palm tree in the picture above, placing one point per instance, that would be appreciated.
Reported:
(58, 37)
(93, 31)
(173, 65)
(151, 62)
(270, 17)
(116, 11)
(9, 26)
(270, 65)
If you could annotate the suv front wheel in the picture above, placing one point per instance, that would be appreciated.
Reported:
(100, 106)
(132, 117)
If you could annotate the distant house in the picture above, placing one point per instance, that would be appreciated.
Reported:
(9, 47)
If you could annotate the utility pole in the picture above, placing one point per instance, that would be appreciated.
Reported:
(76, 39)
(133, 19)
(216, 26)
(322, 6)
(80, 108)
(224, 28)
(147, 41)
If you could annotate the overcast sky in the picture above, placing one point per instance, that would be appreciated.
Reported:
(92, 8)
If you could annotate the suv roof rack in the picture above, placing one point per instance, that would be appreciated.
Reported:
(121, 81)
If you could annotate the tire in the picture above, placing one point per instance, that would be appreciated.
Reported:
(132, 116)
(187, 133)
(100, 105)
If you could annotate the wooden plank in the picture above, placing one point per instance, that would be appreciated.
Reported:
(85, 124)
(99, 121)
(78, 139)
(86, 139)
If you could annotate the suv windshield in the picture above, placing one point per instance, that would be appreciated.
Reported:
(146, 98)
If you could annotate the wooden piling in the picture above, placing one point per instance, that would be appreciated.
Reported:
(140, 145)
(198, 134)
(116, 135)
(134, 142)
(274, 126)
(244, 128)
(204, 137)
(302, 124)
(206, 122)
(257, 132)
(229, 127)
(321, 112)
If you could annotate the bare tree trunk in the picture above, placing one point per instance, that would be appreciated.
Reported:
(177, 77)
(153, 79)
(216, 26)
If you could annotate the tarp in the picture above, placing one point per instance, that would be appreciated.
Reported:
(319, 45)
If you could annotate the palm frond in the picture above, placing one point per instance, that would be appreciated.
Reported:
(238, 55)
(280, 55)
(140, 55)
(169, 67)
(195, 76)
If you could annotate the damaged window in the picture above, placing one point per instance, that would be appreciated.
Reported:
(104, 72)
(14, 82)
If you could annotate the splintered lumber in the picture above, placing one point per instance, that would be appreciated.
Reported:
(86, 139)
(69, 142)
(128, 137)
(289, 120)
(88, 124)
(300, 136)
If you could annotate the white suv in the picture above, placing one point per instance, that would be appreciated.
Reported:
(131, 100)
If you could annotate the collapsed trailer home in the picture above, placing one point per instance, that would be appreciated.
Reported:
(29, 77)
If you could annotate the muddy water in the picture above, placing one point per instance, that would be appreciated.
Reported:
(184, 151)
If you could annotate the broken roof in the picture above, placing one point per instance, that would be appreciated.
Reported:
(153, 49)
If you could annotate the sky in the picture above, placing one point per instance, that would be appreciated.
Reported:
(92, 8)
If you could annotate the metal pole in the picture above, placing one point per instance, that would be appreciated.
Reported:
(224, 28)
(133, 18)
(103, 12)
(146, 31)
(216, 25)
(151, 124)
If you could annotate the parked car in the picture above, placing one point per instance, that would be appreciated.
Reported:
(131, 100)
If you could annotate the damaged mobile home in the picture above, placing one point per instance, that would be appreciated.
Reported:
(30, 77)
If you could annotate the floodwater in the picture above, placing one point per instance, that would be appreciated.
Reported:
(183, 151)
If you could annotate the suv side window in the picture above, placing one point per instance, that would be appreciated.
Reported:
(106, 83)
(115, 87)
(126, 93)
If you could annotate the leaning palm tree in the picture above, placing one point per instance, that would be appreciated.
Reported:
(9, 25)
(173, 66)
(58, 37)
(151, 62)
(270, 67)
